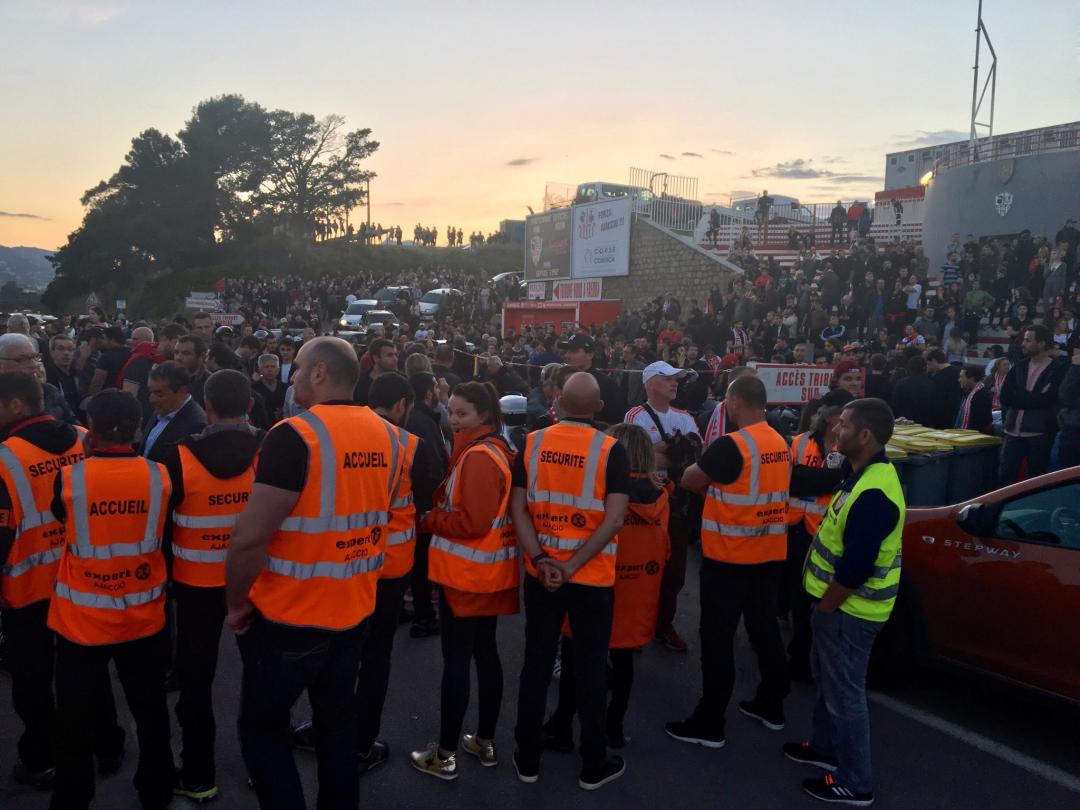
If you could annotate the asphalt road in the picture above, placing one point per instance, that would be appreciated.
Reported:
(943, 740)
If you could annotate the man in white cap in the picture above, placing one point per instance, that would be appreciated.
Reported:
(663, 421)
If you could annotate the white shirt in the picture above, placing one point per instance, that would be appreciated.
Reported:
(672, 419)
(913, 296)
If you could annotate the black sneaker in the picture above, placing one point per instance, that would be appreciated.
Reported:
(808, 755)
(195, 792)
(826, 789)
(423, 628)
(527, 774)
(558, 737)
(39, 780)
(303, 736)
(771, 718)
(608, 772)
(693, 731)
(375, 756)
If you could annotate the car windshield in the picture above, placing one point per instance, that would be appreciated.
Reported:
(357, 308)
(385, 293)
(432, 297)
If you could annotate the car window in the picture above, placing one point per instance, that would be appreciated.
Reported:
(431, 297)
(1050, 516)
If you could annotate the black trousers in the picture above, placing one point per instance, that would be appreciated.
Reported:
(465, 639)
(728, 592)
(796, 600)
(673, 577)
(82, 683)
(200, 614)
(589, 609)
(30, 659)
(620, 682)
(280, 662)
(418, 580)
(374, 677)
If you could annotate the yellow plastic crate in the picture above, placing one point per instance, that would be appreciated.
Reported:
(894, 452)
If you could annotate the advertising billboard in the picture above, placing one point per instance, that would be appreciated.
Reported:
(602, 238)
(547, 245)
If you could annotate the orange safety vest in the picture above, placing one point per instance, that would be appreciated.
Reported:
(110, 585)
(323, 562)
(746, 522)
(487, 564)
(28, 574)
(203, 522)
(804, 451)
(401, 540)
(566, 467)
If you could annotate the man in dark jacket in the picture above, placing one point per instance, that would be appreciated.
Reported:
(1069, 399)
(975, 411)
(578, 352)
(1029, 399)
(176, 414)
(423, 422)
(914, 395)
(946, 377)
(225, 449)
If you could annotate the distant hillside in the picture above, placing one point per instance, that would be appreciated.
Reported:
(26, 266)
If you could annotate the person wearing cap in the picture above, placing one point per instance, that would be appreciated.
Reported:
(578, 352)
(848, 376)
(108, 603)
(662, 421)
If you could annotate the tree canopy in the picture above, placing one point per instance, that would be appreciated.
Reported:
(233, 174)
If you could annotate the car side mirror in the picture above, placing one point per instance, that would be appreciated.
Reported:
(976, 519)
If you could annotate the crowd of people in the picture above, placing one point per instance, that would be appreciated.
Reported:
(218, 467)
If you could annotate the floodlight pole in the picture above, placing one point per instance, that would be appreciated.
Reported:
(991, 82)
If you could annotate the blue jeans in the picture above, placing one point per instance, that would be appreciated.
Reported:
(839, 655)
(1014, 449)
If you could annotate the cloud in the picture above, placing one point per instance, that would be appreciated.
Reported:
(393, 204)
(797, 169)
(516, 162)
(721, 151)
(15, 215)
(692, 154)
(833, 159)
(840, 179)
(925, 137)
(667, 157)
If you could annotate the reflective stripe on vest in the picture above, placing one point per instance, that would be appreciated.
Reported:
(745, 522)
(324, 560)
(875, 598)
(566, 511)
(485, 564)
(401, 528)
(125, 576)
(28, 573)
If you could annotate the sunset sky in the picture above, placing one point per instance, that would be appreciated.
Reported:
(478, 104)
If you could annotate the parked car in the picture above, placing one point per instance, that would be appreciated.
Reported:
(350, 318)
(379, 317)
(391, 295)
(434, 302)
(994, 584)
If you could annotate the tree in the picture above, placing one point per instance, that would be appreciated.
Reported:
(313, 172)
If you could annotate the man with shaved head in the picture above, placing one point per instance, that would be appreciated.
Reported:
(300, 575)
(136, 371)
(571, 485)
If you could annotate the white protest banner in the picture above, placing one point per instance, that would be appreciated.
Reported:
(601, 244)
(227, 318)
(588, 290)
(792, 384)
(537, 290)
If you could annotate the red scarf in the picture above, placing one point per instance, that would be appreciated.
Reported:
(145, 349)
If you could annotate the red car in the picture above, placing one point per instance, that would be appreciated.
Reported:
(994, 583)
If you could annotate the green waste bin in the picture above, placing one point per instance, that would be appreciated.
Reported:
(974, 472)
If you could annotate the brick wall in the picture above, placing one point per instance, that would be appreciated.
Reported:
(662, 264)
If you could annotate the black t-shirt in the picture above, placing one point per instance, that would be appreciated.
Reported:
(283, 461)
(112, 360)
(722, 461)
(138, 371)
(617, 478)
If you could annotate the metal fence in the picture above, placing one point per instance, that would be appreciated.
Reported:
(668, 200)
(1060, 138)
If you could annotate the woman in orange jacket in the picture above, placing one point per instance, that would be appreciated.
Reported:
(639, 566)
(474, 556)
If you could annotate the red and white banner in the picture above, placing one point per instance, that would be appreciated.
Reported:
(792, 384)
(588, 290)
